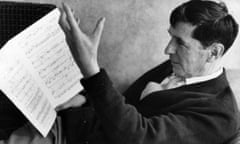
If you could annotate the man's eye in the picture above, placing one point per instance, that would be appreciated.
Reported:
(179, 42)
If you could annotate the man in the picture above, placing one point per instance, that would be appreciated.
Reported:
(184, 100)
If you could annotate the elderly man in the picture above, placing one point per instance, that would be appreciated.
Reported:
(184, 100)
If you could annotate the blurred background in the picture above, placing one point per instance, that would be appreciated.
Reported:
(135, 34)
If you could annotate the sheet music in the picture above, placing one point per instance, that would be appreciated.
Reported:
(39, 71)
(22, 89)
(46, 49)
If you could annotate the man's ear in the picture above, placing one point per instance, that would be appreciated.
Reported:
(215, 51)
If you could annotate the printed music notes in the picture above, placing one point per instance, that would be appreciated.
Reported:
(38, 72)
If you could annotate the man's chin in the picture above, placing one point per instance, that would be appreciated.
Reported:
(178, 71)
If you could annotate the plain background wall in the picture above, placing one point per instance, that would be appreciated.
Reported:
(135, 33)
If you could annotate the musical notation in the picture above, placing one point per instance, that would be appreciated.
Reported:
(38, 72)
(53, 62)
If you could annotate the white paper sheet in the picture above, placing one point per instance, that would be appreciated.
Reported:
(38, 72)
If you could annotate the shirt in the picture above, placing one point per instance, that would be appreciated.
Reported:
(174, 81)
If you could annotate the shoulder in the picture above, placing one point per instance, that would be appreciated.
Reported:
(159, 72)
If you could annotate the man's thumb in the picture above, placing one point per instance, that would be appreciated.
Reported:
(99, 28)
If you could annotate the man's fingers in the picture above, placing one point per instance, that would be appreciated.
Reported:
(99, 28)
(76, 101)
(63, 23)
(70, 18)
(65, 27)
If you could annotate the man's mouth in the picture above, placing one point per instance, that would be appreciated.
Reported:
(174, 62)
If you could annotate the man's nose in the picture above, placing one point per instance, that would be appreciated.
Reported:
(171, 47)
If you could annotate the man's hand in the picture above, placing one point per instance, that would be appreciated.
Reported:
(76, 101)
(84, 47)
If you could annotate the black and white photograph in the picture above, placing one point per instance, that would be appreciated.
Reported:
(119, 72)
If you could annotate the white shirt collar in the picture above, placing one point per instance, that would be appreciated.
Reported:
(193, 80)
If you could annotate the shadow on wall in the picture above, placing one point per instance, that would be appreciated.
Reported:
(135, 34)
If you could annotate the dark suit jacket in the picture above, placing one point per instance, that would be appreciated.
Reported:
(201, 113)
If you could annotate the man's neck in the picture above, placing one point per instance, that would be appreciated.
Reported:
(210, 71)
(211, 68)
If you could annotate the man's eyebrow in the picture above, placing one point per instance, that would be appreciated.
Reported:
(179, 40)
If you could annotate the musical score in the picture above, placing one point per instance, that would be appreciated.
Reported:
(38, 72)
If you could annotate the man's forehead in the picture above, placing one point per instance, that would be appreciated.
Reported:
(182, 30)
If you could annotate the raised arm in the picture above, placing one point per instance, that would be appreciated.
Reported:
(122, 122)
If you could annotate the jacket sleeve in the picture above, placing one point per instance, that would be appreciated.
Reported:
(122, 123)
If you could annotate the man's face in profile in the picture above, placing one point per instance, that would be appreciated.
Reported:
(187, 55)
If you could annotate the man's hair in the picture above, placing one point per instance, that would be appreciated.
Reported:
(212, 20)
